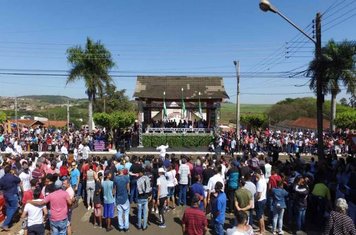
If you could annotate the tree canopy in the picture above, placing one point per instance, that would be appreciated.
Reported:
(91, 64)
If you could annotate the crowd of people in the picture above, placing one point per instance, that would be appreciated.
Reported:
(174, 124)
(44, 139)
(257, 191)
(291, 141)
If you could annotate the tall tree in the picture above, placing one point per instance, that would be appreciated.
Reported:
(337, 67)
(113, 100)
(92, 64)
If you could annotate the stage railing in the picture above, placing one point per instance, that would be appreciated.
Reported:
(179, 130)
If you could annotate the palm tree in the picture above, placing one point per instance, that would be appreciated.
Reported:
(92, 64)
(337, 68)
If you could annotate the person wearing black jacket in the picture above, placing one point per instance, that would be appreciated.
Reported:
(301, 191)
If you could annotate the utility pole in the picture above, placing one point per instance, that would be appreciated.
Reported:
(319, 87)
(237, 67)
(16, 118)
(68, 116)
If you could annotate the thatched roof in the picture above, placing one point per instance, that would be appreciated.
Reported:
(152, 87)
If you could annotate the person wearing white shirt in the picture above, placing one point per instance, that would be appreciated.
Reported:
(10, 150)
(233, 146)
(268, 169)
(184, 177)
(261, 196)
(35, 215)
(85, 151)
(25, 178)
(162, 151)
(212, 181)
(252, 188)
(64, 150)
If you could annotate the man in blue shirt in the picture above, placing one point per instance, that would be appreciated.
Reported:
(219, 209)
(9, 184)
(122, 185)
(74, 178)
(197, 189)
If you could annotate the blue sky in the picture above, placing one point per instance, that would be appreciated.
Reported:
(186, 37)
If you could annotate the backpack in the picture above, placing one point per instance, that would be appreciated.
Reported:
(147, 188)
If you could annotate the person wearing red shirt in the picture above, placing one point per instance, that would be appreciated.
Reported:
(272, 183)
(194, 221)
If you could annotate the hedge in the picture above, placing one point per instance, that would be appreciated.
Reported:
(176, 140)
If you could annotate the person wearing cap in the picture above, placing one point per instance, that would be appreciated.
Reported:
(144, 193)
(194, 221)
(218, 209)
(122, 187)
(162, 192)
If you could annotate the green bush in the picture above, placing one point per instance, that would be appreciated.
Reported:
(176, 140)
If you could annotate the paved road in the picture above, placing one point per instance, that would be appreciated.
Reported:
(82, 223)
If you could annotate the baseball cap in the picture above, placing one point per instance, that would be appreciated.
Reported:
(120, 167)
(161, 170)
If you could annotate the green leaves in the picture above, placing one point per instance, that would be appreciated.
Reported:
(115, 120)
(346, 120)
(2, 117)
(176, 140)
(92, 64)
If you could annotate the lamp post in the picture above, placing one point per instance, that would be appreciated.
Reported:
(265, 6)
(237, 67)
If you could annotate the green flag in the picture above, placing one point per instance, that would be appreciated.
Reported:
(183, 106)
(200, 109)
(164, 106)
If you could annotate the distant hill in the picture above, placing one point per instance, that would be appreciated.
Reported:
(51, 99)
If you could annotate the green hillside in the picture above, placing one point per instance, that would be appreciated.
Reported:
(51, 99)
(228, 110)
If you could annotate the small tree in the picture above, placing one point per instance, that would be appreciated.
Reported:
(254, 121)
(346, 119)
(2, 117)
(114, 121)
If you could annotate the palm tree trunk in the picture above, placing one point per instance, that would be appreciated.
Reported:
(90, 113)
(332, 111)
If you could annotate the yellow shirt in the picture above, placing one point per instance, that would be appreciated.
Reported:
(320, 190)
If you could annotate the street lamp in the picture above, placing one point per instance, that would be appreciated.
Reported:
(265, 6)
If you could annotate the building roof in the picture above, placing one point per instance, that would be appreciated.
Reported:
(302, 123)
(309, 123)
(57, 124)
(33, 123)
(152, 87)
(26, 122)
